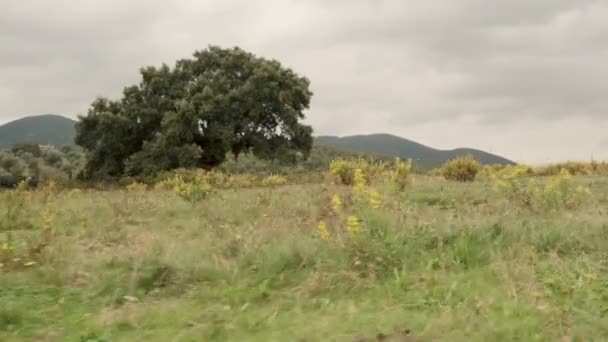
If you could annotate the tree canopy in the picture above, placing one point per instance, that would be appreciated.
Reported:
(220, 101)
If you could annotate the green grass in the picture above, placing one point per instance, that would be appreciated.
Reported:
(448, 261)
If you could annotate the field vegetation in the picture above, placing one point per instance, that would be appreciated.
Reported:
(363, 251)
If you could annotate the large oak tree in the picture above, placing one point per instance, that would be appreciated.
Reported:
(192, 115)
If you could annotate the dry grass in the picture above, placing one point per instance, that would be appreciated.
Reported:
(448, 261)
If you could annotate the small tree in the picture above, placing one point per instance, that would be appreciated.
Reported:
(221, 101)
(461, 169)
(26, 147)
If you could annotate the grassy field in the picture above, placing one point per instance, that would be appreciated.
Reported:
(442, 261)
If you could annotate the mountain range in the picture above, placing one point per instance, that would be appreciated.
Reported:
(58, 131)
(390, 145)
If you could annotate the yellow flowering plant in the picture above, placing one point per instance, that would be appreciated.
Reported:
(337, 205)
(323, 231)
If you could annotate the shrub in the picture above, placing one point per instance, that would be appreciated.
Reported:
(216, 179)
(461, 169)
(242, 181)
(137, 187)
(194, 191)
(574, 168)
(500, 170)
(516, 187)
(343, 171)
(13, 212)
(274, 180)
(400, 174)
(559, 192)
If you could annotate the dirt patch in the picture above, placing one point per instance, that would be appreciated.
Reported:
(404, 335)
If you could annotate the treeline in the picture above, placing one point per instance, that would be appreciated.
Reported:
(319, 159)
(35, 164)
(39, 164)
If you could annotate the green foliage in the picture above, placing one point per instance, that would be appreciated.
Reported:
(460, 262)
(274, 180)
(192, 191)
(516, 185)
(192, 115)
(26, 147)
(13, 213)
(461, 169)
(28, 162)
(343, 171)
(508, 171)
(556, 193)
(400, 175)
(574, 168)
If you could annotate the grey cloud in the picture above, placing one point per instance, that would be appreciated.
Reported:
(376, 64)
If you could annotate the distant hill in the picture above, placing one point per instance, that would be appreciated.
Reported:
(390, 145)
(42, 129)
(58, 131)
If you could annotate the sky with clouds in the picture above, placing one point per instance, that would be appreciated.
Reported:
(524, 79)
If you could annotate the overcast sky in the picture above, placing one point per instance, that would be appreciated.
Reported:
(524, 79)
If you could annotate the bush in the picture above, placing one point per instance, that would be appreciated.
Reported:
(558, 192)
(194, 191)
(274, 180)
(242, 181)
(29, 161)
(573, 168)
(342, 171)
(400, 174)
(461, 169)
(137, 187)
(501, 170)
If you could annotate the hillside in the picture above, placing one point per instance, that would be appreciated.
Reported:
(42, 129)
(390, 145)
(58, 131)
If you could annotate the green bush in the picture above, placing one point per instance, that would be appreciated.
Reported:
(461, 169)
(342, 171)
(573, 168)
(557, 193)
(400, 175)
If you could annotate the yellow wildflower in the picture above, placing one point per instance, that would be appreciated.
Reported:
(47, 220)
(323, 232)
(374, 199)
(359, 180)
(353, 226)
(274, 180)
(136, 187)
(180, 187)
(591, 276)
(336, 204)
